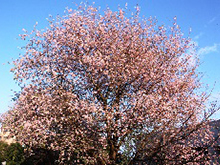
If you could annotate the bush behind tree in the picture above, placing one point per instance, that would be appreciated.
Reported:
(3, 149)
(12, 154)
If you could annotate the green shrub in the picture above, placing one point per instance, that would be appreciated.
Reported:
(3, 149)
(15, 154)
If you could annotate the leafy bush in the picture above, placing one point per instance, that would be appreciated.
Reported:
(42, 156)
(3, 148)
(13, 154)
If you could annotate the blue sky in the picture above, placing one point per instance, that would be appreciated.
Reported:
(202, 16)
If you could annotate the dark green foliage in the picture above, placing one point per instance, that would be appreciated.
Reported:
(42, 157)
(15, 154)
(3, 148)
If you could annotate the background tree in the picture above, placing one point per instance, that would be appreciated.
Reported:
(3, 148)
(111, 89)
(42, 156)
(12, 154)
(15, 154)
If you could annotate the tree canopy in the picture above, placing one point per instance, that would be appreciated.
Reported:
(111, 89)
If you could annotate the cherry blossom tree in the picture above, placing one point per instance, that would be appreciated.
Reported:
(111, 89)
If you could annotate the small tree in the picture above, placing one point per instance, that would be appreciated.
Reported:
(108, 89)
(42, 156)
(12, 154)
(3, 148)
(15, 154)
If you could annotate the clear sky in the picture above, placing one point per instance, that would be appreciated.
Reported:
(202, 16)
